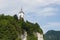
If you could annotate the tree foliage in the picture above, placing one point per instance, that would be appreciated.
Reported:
(11, 27)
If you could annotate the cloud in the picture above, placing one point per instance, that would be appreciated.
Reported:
(28, 5)
(3, 4)
(38, 2)
(57, 2)
(48, 11)
(51, 26)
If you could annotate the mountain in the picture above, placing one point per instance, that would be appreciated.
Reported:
(12, 28)
(52, 35)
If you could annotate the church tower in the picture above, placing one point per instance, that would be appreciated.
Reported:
(21, 14)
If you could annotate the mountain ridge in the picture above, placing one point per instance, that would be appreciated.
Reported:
(52, 35)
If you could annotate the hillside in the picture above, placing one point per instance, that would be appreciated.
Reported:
(11, 27)
(52, 35)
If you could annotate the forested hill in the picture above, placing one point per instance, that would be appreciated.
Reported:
(11, 27)
(52, 35)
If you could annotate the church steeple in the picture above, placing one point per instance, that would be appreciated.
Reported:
(21, 13)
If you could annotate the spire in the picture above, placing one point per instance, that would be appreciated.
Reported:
(21, 11)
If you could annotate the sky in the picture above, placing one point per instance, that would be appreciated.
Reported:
(45, 12)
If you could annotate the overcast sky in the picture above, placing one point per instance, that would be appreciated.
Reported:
(44, 12)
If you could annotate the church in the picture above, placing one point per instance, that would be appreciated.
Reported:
(21, 14)
(24, 37)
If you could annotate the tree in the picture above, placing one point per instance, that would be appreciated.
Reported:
(15, 17)
(11, 28)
